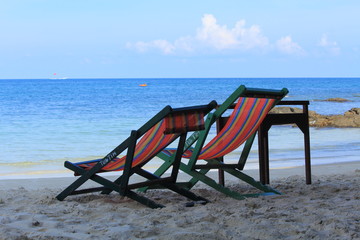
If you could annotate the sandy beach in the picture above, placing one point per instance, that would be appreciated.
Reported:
(327, 209)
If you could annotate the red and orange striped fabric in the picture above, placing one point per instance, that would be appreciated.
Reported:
(182, 122)
(242, 123)
(150, 144)
(156, 139)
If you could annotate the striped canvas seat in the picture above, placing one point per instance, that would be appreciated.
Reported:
(155, 140)
(242, 123)
(149, 145)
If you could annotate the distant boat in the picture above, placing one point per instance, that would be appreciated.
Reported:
(143, 85)
(57, 77)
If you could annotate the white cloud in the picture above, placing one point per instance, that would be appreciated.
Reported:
(214, 35)
(287, 46)
(210, 35)
(220, 37)
(331, 47)
(185, 43)
(162, 45)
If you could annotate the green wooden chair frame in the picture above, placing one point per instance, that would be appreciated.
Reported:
(139, 152)
(198, 172)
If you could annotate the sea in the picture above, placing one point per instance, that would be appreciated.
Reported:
(44, 122)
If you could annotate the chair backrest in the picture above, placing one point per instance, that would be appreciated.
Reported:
(184, 121)
(152, 141)
(163, 132)
(242, 123)
(252, 106)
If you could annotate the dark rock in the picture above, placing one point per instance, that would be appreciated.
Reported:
(353, 111)
(336, 100)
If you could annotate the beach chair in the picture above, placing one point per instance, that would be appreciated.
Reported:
(141, 146)
(250, 105)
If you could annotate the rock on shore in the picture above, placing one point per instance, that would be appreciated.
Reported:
(350, 118)
(334, 100)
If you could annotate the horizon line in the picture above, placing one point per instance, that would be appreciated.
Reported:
(75, 78)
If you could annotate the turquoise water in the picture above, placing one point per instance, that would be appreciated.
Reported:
(45, 122)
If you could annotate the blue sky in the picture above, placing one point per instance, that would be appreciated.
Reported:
(159, 39)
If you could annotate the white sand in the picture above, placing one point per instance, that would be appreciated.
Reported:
(327, 209)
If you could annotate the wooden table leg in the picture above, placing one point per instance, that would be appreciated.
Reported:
(263, 155)
(307, 156)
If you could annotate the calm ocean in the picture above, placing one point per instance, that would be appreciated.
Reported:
(47, 121)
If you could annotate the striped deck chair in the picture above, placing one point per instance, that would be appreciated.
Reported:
(251, 107)
(142, 145)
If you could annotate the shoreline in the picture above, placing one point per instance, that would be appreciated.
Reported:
(275, 173)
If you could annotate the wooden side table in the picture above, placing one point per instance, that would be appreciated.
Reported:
(301, 120)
